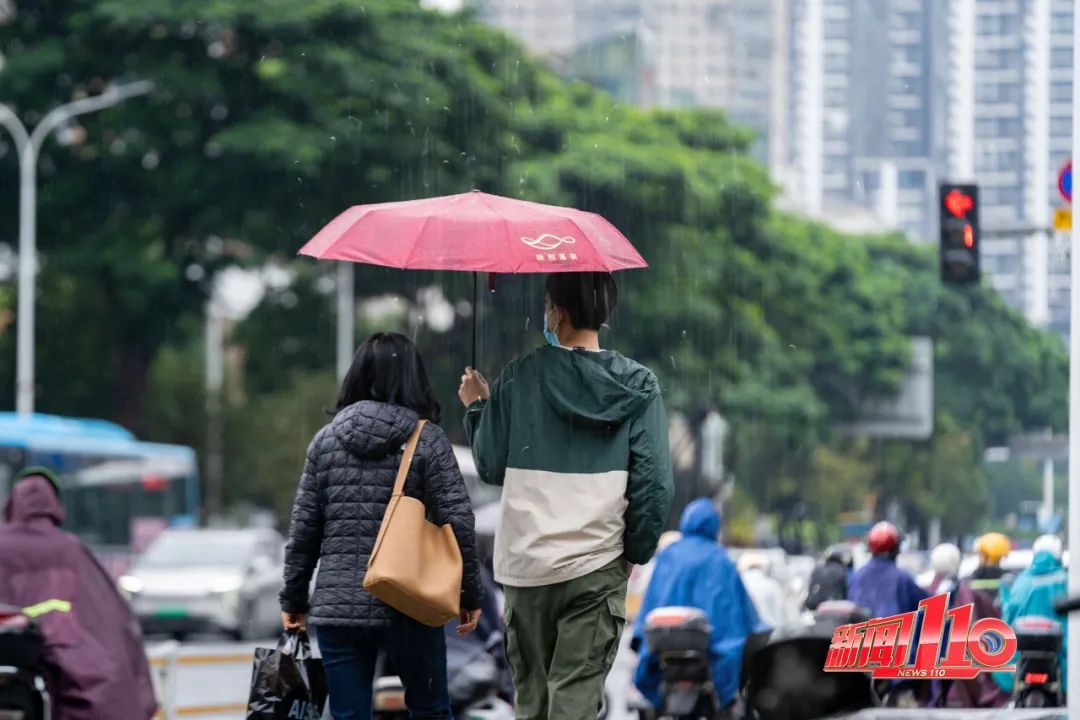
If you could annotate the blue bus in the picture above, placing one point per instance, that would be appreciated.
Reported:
(116, 488)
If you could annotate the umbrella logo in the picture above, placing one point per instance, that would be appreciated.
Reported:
(548, 241)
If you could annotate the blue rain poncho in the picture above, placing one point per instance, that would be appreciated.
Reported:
(885, 589)
(697, 572)
(1033, 593)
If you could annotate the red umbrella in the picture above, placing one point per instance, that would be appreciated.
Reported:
(475, 232)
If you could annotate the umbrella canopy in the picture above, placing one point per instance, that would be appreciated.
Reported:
(475, 232)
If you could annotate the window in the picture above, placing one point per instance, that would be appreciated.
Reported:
(1061, 126)
(912, 179)
(1061, 92)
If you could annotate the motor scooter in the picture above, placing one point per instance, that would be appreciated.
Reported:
(23, 693)
(1038, 669)
(785, 678)
(679, 638)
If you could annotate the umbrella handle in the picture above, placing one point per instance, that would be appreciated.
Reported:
(476, 307)
(475, 312)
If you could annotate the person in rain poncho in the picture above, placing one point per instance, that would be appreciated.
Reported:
(979, 692)
(880, 586)
(697, 572)
(764, 590)
(1034, 592)
(94, 657)
(578, 438)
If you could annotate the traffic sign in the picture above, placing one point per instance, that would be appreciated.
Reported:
(1062, 219)
(1065, 181)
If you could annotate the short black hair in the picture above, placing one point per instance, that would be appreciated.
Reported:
(588, 298)
(388, 368)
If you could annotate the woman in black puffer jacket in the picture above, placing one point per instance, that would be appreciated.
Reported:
(343, 494)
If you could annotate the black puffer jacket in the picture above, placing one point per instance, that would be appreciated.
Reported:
(344, 491)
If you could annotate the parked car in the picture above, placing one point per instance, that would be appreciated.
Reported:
(199, 580)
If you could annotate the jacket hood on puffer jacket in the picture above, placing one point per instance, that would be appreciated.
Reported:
(33, 498)
(595, 388)
(701, 519)
(373, 429)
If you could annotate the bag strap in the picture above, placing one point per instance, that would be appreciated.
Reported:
(406, 459)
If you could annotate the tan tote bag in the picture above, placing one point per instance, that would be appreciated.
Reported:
(415, 567)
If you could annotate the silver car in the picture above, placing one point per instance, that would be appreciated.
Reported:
(200, 580)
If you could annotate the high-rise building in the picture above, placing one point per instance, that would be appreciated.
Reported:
(865, 102)
(861, 106)
(665, 53)
(1018, 114)
(889, 97)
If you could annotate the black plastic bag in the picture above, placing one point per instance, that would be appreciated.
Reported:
(287, 683)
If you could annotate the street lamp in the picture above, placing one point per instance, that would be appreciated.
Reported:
(28, 146)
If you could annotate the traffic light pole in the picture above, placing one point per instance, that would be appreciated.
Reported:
(1072, 684)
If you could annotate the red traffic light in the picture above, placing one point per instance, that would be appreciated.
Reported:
(958, 204)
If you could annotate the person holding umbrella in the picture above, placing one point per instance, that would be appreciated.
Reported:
(577, 436)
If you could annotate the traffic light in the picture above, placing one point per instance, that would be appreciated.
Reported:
(959, 234)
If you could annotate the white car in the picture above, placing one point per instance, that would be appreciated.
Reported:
(197, 580)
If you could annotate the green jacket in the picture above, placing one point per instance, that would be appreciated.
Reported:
(579, 442)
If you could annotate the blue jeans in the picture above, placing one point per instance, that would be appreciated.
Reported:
(417, 652)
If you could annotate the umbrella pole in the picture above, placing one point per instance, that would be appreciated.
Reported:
(475, 313)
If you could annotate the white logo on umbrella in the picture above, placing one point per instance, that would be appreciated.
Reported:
(548, 241)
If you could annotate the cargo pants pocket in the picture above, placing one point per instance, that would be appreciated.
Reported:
(610, 623)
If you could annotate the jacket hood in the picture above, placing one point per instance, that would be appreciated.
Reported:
(34, 498)
(594, 388)
(1045, 563)
(701, 519)
(373, 429)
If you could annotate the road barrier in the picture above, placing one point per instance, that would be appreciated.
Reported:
(200, 681)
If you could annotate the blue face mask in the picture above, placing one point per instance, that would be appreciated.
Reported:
(550, 335)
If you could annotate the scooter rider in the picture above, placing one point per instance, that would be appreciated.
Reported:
(696, 572)
(94, 658)
(830, 579)
(1034, 592)
(880, 586)
(945, 562)
(885, 589)
(981, 691)
(992, 548)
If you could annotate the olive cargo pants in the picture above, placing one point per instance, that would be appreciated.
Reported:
(561, 642)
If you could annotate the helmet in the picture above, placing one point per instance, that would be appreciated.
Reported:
(993, 546)
(839, 553)
(1048, 543)
(945, 560)
(883, 538)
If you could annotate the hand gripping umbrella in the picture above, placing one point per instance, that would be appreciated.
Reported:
(475, 232)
